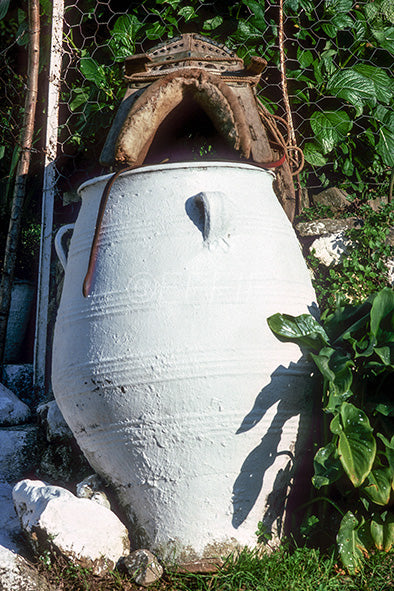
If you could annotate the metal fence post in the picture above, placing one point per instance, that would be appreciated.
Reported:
(49, 185)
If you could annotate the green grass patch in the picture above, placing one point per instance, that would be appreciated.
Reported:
(302, 569)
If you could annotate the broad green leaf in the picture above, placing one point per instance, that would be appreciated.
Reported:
(330, 127)
(356, 445)
(382, 530)
(385, 145)
(155, 31)
(313, 154)
(382, 317)
(80, 97)
(259, 18)
(4, 5)
(387, 7)
(124, 35)
(334, 7)
(384, 37)
(337, 23)
(383, 84)
(93, 71)
(352, 86)
(344, 319)
(212, 23)
(303, 330)
(328, 468)
(2, 152)
(378, 485)
(389, 454)
(335, 366)
(351, 547)
(304, 57)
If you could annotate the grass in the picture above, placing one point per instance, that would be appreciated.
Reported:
(302, 569)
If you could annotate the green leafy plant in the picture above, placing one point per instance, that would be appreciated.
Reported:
(353, 349)
(363, 268)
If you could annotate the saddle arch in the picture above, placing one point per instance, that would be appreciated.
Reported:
(155, 103)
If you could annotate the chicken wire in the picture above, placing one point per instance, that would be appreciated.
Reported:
(94, 38)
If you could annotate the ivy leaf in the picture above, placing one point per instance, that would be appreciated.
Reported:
(313, 155)
(356, 444)
(303, 330)
(328, 468)
(212, 23)
(330, 127)
(382, 530)
(187, 12)
(351, 546)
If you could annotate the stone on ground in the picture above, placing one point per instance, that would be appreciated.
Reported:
(12, 410)
(85, 532)
(18, 450)
(17, 574)
(143, 567)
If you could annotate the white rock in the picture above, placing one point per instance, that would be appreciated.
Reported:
(17, 451)
(12, 410)
(329, 249)
(87, 533)
(10, 529)
(143, 567)
(17, 574)
(56, 426)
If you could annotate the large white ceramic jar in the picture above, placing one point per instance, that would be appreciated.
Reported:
(167, 373)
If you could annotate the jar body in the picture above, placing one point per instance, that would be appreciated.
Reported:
(167, 373)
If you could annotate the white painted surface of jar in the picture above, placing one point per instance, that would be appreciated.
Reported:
(167, 373)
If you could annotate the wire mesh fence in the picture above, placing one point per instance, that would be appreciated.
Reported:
(338, 57)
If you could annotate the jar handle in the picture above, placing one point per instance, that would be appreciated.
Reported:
(217, 218)
(60, 251)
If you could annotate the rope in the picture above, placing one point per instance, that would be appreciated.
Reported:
(270, 122)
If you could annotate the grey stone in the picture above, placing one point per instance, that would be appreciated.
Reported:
(57, 462)
(86, 533)
(19, 379)
(143, 567)
(327, 226)
(17, 574)
(10, 529)
(335, 198)
(18, 453)
(56, 427)
(91, 488)
(12, 410)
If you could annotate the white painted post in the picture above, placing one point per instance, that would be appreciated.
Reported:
(49, 183)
